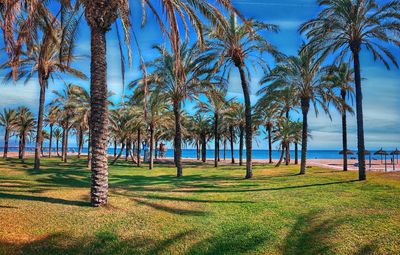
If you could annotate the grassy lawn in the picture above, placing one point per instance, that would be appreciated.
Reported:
(208, 211)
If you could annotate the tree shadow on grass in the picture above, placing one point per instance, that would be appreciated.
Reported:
(168, 209)
(233, 240)
(263, 189)
(312, 234)
(185, 199)
(44, 199)
(104, 242)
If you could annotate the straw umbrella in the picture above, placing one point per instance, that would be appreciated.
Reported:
(367, 152)
(395, 153)
(382, 152)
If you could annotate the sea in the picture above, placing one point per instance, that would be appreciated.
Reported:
(191, 153)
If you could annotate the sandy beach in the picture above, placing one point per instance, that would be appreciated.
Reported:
(376, 165)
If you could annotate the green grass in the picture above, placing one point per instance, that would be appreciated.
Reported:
(208, 211)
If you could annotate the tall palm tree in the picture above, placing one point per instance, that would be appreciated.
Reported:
(180, 88)
(239, 46)
(348, 26)
(216, 104)
(57, 135)
(285, 133)
(25, 127)
(7, 120)
(301, 74)
(48, 56)
(339, 79)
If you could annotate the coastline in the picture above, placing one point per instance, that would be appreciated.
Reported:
(336, 164)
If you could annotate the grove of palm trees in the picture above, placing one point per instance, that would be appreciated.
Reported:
(199, 127)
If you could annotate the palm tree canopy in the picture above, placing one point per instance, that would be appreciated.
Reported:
(345, 25)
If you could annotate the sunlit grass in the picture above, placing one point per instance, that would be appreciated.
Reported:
(208, 211)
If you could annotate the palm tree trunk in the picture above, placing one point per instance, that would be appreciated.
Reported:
(287, 148)
(20, 146)
(178, 139)
(156, 150)
(305, 106)
(281, 157)
(269, 127)
(99, 117)
(344, 129)
(249, 126)
(138, 147)
(6, 136)
(89, 154)
(224, 148)
(127, 150)
(57, 143)
(80, 145)
(64, 143)
(360, 121)
(151, 146)
(39, 134)
(119, 154)
(115, 148)
(296, 153)
(241, 134)
(203, 148)
(197, 149)
(216, 145)
(231, 141)
(50, 139)
(23, 147)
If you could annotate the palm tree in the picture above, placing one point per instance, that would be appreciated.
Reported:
(238, 46)
(301, 75)
(7, 120)
(180, 88)
(25, 127)
(237, 117)
(57, 135)
(47, 56)
(216, 105)
(339, 79)
(51, 119)
(347, 26)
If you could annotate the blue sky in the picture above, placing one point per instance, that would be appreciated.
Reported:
(381, 87)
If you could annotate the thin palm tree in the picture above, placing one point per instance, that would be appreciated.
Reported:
(178, 89)
(8, 119)
(348, 26)
(240, 46)
(57, 135)
(216, 104)
(25, 127)
(301, 74)
(339, 79)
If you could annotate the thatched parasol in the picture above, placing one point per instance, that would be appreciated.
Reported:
(367, 152)
(382, 153)
(349, 152)
(397, 153)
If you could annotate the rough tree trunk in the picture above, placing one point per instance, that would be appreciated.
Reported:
(231, 141)
(269, 127)
(360, 120)
(249, 126)
(51, 139)
(203, 148)
(241, 134)
(178, 139)
(80, 145)
(305, 106)
(39, 134)
(281, 157)
(89, 155)
(296, 153)
(98, 116)
(344, 129)
(151, 146)
(138, 147)
(119, 154)
(6, 136)
(216, 138)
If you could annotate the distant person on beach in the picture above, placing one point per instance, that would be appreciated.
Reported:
(162, 150)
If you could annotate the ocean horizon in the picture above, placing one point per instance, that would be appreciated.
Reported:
(191, 153)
